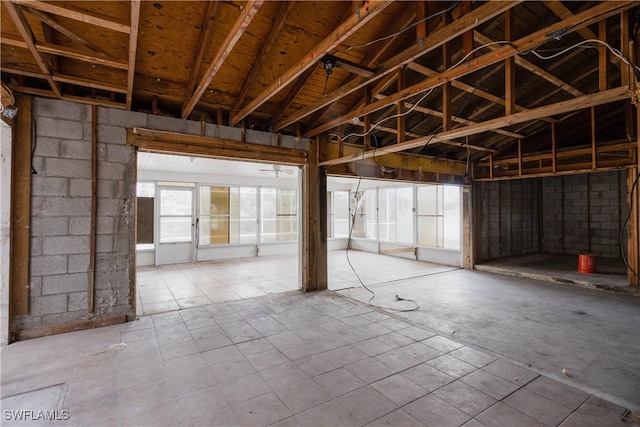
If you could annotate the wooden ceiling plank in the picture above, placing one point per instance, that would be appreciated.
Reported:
(531, 67)
(202, 44)
(594, 14)
(133, 48)
(337, 36)
(25, 31)
(64, 30)
(22, 72)
(249, 11)
(276, 26)
(437, 38)
(76, 14)
(586, 101)
(293, 93)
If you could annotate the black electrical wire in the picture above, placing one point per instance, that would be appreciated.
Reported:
(373, 294)
(410, 26)
(624, 225)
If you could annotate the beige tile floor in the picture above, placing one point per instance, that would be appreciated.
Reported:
(285, 359)
(179, 286)
(230, 343)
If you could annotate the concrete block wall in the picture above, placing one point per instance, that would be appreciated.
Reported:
(584, 213)
(61, 208)
(61, 217)
(569, 214)
(508, 222)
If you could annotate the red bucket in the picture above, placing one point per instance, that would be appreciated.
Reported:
(587, 263)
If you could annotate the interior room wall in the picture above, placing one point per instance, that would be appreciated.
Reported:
(569, 214)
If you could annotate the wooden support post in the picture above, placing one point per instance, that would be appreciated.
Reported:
(446, 88)
(625, 70)
(314, 221)
(594, 156)
(509, 67)
(603, 57)
(20, 209)
(367, 119)
(467, 37)
(467, 228)
(491, 165)
(520, 157)
(553, 147)
(421, 28)
(589, 212)
(91, 271)
(400, 110)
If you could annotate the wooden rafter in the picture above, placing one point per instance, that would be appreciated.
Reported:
(433, 41)
(239, 27)
(46, 19)
(340, 34)
(276, 26)
(62, 78)
(371, 58)
(77, 54)
(293, 93)
(586, 101)
(208, 21)
(595, 14)
(76, 14)
(532, 67)
(133, 47)
(27, 35)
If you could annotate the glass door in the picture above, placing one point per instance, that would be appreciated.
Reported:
(176, 225)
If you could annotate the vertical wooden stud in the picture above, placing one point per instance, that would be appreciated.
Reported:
(519, 157)
(553, 147)
(20, 209)
(594, 156)
(603, 57)
(509, 67)
(400, 110)
(91, 271)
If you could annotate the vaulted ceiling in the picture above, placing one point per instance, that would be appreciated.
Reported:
(467, 81)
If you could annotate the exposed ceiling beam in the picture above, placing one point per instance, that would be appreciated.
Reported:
(531, 41)
(337, 36)
(25, 31)
(133, 47)
(64, 30)
(371, 58)
(208, 22)
(586, 101)
(456, 119)
(242, 23)
(276, 26)
(433, 41)
(76, 14)
(531, 67)
(79, 81)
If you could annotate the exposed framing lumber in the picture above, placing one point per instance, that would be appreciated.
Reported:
(633, 230)
(179, 143)
(594, 14)
(603, 57)
(64, 30)
(586, 101)
(337, 36)
(63, 78)
(91, 270)
(208, 21)
(433, 41)
(76, 14)
(509, 67)
(407, 161)
(20, 240)
(293, 92)
(25, 31)
(133, 48)
(49, 94)
(239, 27)
(276, 26)
(520, 61)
